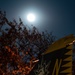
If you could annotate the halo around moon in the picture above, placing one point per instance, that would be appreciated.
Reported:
(31, 17)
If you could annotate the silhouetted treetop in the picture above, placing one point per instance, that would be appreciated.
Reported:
(20, 47)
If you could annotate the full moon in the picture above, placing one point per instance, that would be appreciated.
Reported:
(31, 17)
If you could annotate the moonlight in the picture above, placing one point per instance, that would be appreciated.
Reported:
(31, 17)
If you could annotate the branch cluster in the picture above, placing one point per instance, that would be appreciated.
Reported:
(20, 46)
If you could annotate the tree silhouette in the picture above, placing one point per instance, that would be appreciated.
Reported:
(20, 47)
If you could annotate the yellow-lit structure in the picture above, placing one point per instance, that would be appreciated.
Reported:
(61, 54)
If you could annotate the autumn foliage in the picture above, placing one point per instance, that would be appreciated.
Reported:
(20, 47)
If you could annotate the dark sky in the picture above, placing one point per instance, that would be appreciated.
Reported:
(51, 15)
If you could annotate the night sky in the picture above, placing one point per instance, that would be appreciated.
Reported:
(51, 15)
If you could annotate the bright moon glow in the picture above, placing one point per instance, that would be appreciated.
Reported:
(31, 17)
